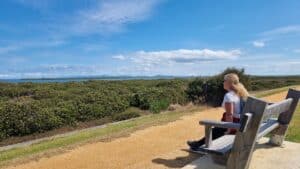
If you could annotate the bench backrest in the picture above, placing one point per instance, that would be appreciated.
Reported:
(254, 112)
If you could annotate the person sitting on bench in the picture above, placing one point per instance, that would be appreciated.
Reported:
(233, 102)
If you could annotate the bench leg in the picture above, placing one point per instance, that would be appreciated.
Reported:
(278, 135)
(220, 159)
(284, 118)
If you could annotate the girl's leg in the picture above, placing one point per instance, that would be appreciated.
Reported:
(216, 133)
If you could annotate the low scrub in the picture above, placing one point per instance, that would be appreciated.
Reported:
(27, 108)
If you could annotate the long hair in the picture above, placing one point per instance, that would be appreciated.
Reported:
(236, 85)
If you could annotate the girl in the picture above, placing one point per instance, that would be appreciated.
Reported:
(235, 96)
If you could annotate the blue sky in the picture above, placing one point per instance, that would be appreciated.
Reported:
(54, 38)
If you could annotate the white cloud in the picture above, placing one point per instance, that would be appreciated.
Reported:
(91, 17)
(167, 57)
(283, 30)
(112, 16)
(119, 57)
(289, 31)
(258, 44)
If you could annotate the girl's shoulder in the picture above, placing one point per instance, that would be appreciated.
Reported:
(231, 93)
(231, 96)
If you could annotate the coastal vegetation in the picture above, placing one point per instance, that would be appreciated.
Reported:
(27, 108)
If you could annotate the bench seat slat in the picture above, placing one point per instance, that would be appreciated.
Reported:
(279, 107)
(222, 145)
(267, 127)
(219, 146)
(220, 124)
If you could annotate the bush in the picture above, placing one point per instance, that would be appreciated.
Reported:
(159, 105)
(171, 90)
(125, 115)
(66, 112)
(19, 119)
(214, 91)
(195, 91)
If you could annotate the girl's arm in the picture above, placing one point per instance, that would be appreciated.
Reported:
(228, 111)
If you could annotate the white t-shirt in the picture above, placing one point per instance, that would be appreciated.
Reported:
(231, 97)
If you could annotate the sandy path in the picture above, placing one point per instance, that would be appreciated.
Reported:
(154, 147)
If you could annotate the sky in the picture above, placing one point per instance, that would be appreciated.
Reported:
(55, 38)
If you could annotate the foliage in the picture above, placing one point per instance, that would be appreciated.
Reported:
(27, 108)
(159, 105)
(195, 90)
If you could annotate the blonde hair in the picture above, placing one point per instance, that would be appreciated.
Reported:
(236, 85)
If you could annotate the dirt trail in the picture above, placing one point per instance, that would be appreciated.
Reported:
(154, 147)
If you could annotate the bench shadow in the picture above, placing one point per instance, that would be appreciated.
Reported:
(178, 162)
(181, 161)
(265, 145)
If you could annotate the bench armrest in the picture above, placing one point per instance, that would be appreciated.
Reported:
(220, 124)
(208, 128)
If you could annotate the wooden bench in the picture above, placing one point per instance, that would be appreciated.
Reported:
(258, 119)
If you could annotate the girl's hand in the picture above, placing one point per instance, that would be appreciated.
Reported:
(228, 131)
(228, 117)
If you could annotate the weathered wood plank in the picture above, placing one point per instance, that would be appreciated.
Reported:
(241, 152)
(278, 108)
(239, 148)
(219, 146)
(267, 127)
(220, 124)
(208, 136)
(284, 119)
(246, 118)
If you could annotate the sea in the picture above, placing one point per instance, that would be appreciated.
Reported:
(77, 79)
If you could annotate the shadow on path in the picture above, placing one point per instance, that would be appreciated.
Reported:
(178, 162)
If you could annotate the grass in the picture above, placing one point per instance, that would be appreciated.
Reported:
(272, 91)
(122, 128)
(294, 128)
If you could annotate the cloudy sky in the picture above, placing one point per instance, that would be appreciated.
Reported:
(55, 38)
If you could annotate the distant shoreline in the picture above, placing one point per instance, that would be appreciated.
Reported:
(77, 79)
(117, 78)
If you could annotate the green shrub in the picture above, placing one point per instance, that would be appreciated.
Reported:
(27, 108)
(66, 112)
(19, 119)
(214, 91)
(195, 91)
(159, 105)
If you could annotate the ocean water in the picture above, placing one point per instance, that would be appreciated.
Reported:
(62, 80)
